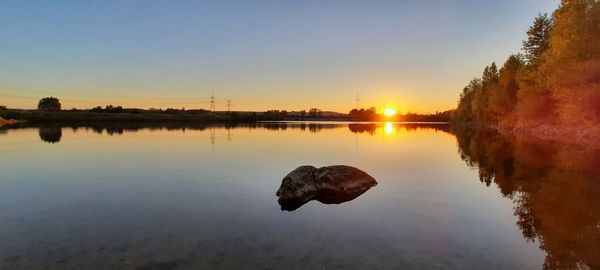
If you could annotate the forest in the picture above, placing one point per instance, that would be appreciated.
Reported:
(553, 84)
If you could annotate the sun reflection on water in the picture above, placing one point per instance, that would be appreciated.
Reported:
(389, 128)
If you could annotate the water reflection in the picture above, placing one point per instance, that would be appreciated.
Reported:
(555, 189)
(328, 185)
(123, 127)
(388, 128)
(157, 199)
(51, 134)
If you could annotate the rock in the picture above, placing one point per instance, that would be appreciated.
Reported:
(299, 183)
(328, 185)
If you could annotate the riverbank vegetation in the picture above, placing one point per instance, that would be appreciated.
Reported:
(552, 89)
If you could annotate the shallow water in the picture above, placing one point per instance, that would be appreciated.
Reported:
(191, 197)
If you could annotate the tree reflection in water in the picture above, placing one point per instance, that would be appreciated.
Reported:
(50, 134)
(555, 189)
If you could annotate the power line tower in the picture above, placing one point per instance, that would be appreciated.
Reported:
(212, 101)
(229, 105)
(357, 99)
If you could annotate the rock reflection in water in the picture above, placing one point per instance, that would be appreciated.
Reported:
(328, 185)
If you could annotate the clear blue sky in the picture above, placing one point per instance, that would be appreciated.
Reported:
(416, 55)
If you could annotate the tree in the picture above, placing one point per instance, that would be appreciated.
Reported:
(568, 85)
(555, 82)
(363, 115)
(473, 105)
(503, 100)
(49, 104)
(2, 108)
(314, 112)
(538, 39)
(490, 75)
(464, 112)
(574, 36)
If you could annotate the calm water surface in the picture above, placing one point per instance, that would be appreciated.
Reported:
(204, 197)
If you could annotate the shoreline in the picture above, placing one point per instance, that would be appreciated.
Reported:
(36, 116)
(562, 134)
(547, 132)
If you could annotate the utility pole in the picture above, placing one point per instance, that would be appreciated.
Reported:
(212, 101)
(357, 98)
(229, 105)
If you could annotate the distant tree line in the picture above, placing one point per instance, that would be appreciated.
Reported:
(371, 114)
(555, 81)
(50, 108)
(362, 114)
(435, 117)
(53, 104)
(314, 112)
(120, 109)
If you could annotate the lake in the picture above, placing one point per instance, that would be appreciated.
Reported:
(203, 197)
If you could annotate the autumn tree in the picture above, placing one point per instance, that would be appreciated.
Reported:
(572, 65)
(503, 100)
(464, 112)
(538, 39)
(556, 81)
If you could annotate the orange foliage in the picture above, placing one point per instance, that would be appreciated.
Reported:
(557, 89)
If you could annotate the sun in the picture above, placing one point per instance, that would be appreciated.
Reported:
(389, 112)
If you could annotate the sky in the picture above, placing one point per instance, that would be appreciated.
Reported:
(288, 55)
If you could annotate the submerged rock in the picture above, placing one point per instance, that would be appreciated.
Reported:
(328, 185)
